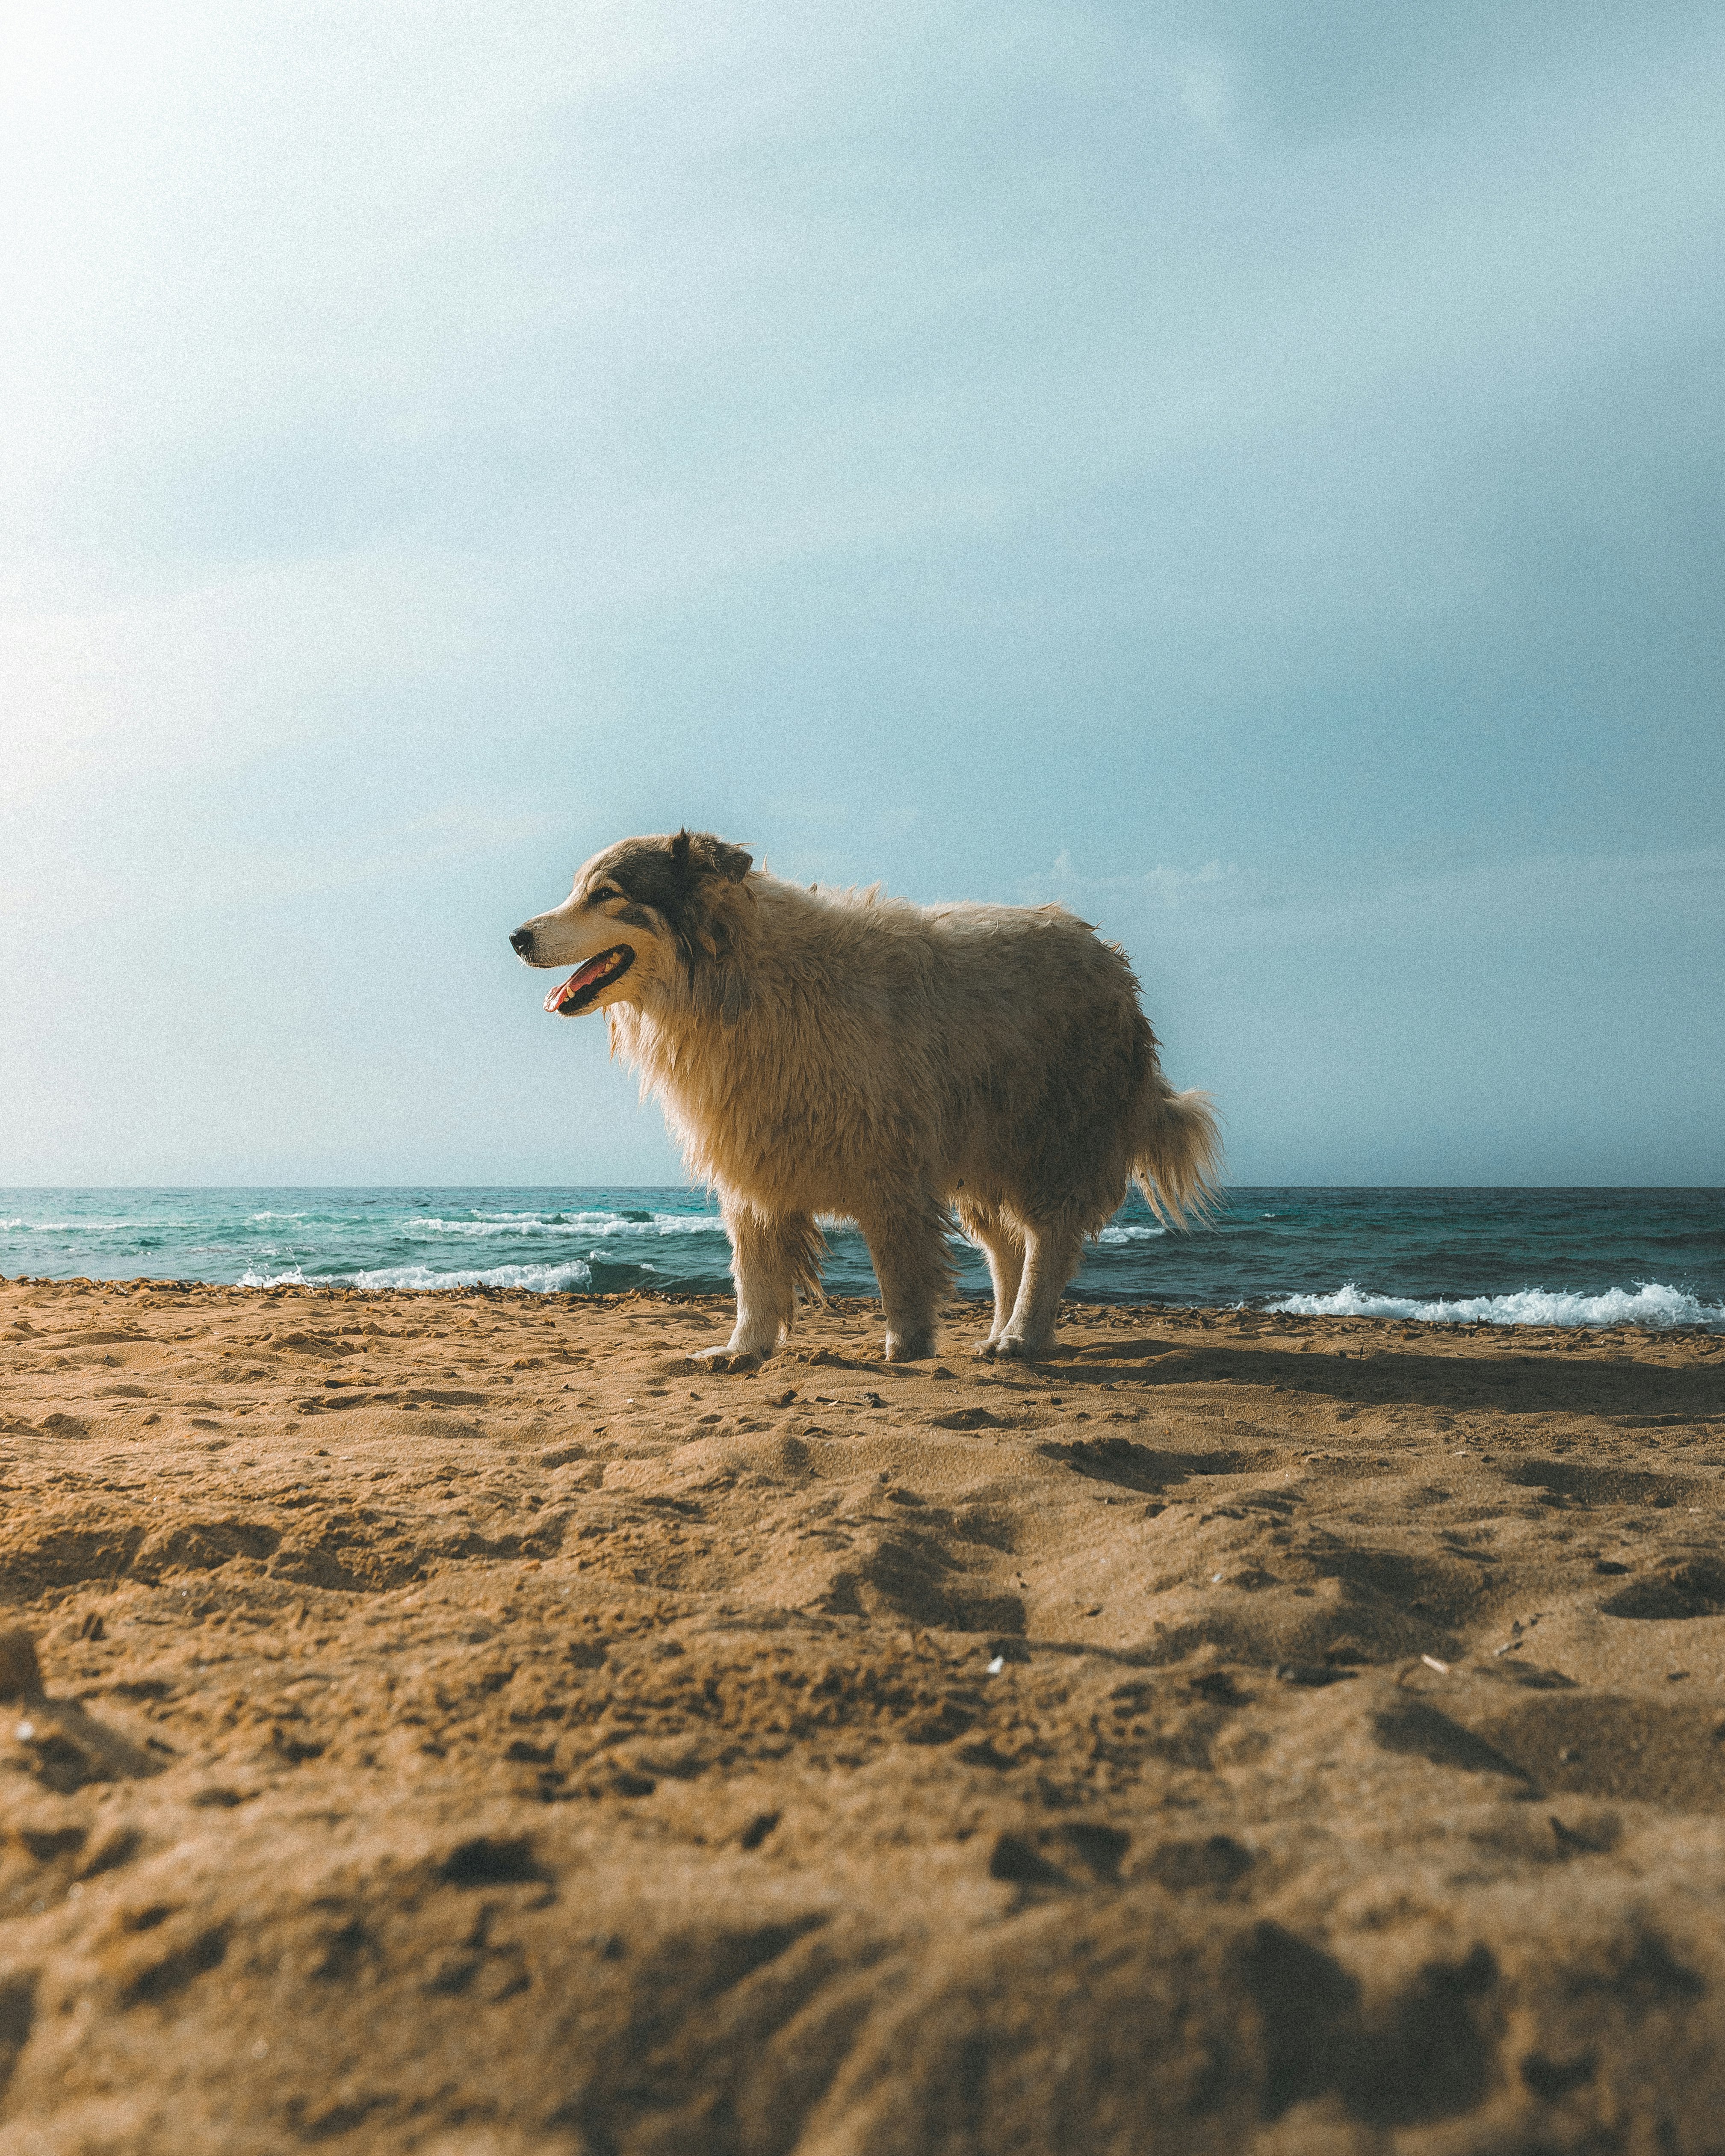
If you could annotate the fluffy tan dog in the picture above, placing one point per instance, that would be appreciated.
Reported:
(837, 1053)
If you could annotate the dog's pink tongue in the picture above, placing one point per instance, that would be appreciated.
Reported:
(572, 987)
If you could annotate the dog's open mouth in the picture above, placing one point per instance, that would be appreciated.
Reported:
(579, 991)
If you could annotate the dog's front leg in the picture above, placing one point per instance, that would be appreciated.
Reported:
(771, 1257)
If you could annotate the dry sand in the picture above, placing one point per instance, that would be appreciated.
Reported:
(470, 1728)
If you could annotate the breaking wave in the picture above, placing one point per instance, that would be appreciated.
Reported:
(1649, 1303)
(601, 1224)
(544, 1279)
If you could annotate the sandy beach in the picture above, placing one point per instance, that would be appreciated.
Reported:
(461, 1723)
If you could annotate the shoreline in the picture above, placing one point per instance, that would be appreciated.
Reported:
(456, 1722)
(958, 1308)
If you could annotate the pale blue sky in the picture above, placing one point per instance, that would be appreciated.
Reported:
(1254, 472)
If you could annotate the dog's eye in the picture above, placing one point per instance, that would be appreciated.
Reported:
(600, 897)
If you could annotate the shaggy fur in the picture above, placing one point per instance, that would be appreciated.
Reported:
(837, 1053)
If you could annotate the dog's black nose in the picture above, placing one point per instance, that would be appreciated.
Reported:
(521, 941)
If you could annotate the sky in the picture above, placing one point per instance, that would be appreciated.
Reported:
(1252, 473)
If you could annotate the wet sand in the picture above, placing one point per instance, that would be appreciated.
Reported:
(459, 1724)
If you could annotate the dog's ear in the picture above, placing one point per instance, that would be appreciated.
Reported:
(697, 914)
(699, 853)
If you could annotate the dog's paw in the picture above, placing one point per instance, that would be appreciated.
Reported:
(1007, 1348)
(909, 1347)
(725, 1359)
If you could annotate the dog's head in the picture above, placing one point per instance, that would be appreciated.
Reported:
(646, 914)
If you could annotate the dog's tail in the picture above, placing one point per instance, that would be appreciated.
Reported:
(1178, 1154)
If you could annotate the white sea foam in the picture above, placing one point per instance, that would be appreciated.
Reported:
(569, 1223)
(544, 1279)
(547, 1280)
(1115, 1233)
(1649, 1303)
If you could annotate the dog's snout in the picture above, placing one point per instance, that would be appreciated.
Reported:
(521, 943)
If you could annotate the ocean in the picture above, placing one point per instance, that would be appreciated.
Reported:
(1654, 1258)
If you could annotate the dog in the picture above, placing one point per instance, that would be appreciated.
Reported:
(826, 1053)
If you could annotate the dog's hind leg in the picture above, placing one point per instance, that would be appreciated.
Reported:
(908, 1243)
(773, 1256)
(1004, 1250)
(1051, 1260)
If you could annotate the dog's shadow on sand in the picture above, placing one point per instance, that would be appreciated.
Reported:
(1512, 1382)
(1507, 1379)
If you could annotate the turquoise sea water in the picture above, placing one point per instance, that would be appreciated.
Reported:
(1547, 1257)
